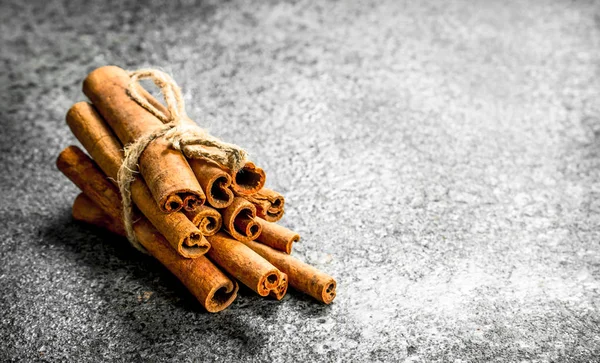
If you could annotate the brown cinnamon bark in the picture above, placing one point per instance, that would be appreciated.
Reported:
(84, 210)
(276, 236)
(239, 220)
(86, 175)
(269, 204)
(249, 180)
(207, 219)
(281, 289)
(301, 276)
(243, 264)
(95, 137)
(213, 289)
(183, 236)
(206, 282)
(100, 142)
(165, 170)
(215, 182)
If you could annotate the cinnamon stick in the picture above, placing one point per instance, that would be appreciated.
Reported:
(248, 180)
(281, 289)
(213, 289)
(84, 210)
(97, 138)
(269, 204)
(206, 282)
(215, 182)
(239, 220)
(183, 236)
(244, 264)
(170, 179)
(86, 175)
(276, 236)
(301, 276)
(207, 219)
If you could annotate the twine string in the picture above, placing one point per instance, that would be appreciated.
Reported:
(192, 140)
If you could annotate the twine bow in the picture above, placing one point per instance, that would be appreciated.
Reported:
(181, 133)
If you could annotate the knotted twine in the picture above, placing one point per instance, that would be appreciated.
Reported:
(180, 132)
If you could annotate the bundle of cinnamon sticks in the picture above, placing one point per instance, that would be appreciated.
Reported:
(212, 227)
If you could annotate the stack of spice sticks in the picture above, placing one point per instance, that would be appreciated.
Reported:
(212, 228)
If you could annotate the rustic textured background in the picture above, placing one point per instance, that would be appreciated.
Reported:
(441, 160)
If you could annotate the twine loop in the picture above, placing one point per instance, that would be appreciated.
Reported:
(180, 132)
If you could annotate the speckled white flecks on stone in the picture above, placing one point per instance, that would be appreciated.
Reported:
(440, 159)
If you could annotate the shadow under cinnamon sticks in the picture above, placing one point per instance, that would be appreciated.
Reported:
(101, 254)
(107, 254)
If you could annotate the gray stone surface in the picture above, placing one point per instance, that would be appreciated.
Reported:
(440, 159)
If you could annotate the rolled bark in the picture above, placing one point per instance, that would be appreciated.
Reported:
(215, 182)
(249, 179)
(276, 236)
(183, 236)
(84, 210)
(281, 289)
(213, 289)
(207, 219)
(269, 204)
(301, 276)
(244, 264)
(204, 280)
(169, 177)
(239, 220)
(86, 175)
(97, 138)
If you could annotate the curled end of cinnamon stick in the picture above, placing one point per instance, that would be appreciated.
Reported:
(215, 182)
(210, 225)
(245, 225)
(281, 289)
(207, 219)
(239, 220)
(218, 194)
(221, 296)
(191, 201)
(248, 180)
(277, 203)
(194, 245)
(187, 200)
(172, 203)
(328, 292)
(269, 282)
(290, 242)
(269, 204)
(270, 216)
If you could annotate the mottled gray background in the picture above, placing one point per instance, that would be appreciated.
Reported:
(440, 159)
